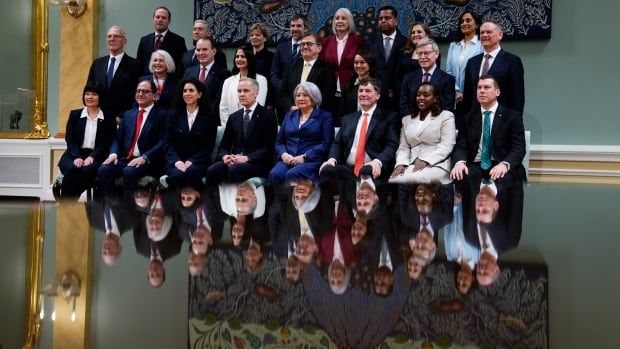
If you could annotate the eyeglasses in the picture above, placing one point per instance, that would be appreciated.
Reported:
(114, 36)
(307, 43)
(425, 53)
(143, 91)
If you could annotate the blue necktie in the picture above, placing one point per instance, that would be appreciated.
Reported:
(295, 52)
(485, 151)
(110, 74)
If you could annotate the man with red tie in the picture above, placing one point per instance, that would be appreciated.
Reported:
(367, 140)
(136, 150)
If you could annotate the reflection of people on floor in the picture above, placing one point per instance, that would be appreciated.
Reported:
(293, 269)
(196, 263)
(338, 275)
(254, 257)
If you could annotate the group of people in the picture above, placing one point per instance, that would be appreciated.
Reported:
(402, 122)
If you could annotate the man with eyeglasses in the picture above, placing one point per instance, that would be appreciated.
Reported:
(136, 150)
(118, 73)
(309, 68)
(429, 72)
(201, 29)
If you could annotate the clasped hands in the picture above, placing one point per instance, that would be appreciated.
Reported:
(291, 160)
(232, 159)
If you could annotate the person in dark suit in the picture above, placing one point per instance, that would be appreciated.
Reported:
(363, 67)
(308, 69)
(379, 146)
(505, 67)
(247, 146)
(501, 162)
(387, 62)
(162, 70)
(200, 30)
(118, 72)
(136, 151)
(263, 58)
(429, 71)
(209, 73)
(88, 136)
(190, 136)
(304, 138)
(162, 39)
(341, 231)
(286, 53)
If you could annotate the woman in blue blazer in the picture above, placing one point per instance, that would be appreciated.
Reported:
(88, 136)
(304, 138)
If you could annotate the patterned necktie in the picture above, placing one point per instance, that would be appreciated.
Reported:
(361, 146)
(486, 65)
(110, 73)
(387, 46)
(485, 151)
(203, 74)
(136, 133)
(108, 217)
(484, 233)
(426, 78)
(158, 41)
(295, 52)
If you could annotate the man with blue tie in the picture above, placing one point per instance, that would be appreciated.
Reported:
(118, 72)
(136, 150)
(287, 52)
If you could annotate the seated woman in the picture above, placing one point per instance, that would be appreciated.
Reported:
(244, 66)
(363, 67)
(304, 138)
(426, 141)
(190, 136)
(88, 136)
(162, 70)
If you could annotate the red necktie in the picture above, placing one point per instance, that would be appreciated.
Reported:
(361, 146)
(136, 133)
(199, 211)
(154, 252)
(158, 41)
(203, 74)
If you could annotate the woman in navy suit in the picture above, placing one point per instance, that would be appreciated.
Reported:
(304, 138)
(190, 136)
(88, 136)
(162, 70)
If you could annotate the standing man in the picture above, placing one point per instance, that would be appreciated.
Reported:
(309, 68)
(428, 52)
(201, 30)
(367, 140)
(505, 67)
(118, 73)
(162, 39)
(136, 150)
(386, 48)
(211, 74)
(247, 146)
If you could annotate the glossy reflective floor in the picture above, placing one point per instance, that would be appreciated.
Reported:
(565, 227)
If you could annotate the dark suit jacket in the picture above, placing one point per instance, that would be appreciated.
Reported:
(169, 247)
(74, 136)
(189, 60)
(167, 95)
(387, 69)
(321, 74)
(122, 211)
(442, 81)
(195, 145)
(119, 96)
(260, 143)
(507, 139)
(382, 138)
(214, 215)
(329, 54)
(409, 219)
(281, 62)
(507, 69)
(342, 224)
(213, 85)
(172, 43)
(151, 139)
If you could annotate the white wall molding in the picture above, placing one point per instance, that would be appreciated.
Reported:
(560, 152)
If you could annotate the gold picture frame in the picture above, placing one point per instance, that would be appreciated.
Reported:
(36, 237)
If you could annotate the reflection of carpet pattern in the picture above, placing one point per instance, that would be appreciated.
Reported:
(226, 303)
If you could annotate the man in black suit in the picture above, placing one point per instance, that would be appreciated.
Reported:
(309, 68)
(136, 150)
(201, 30)
(209, 73)
(118, 72)
(379, 145)
(162, 39)
(505, 67)
(429, 71)
(247, 146)
(286, 53)
(386, 47)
